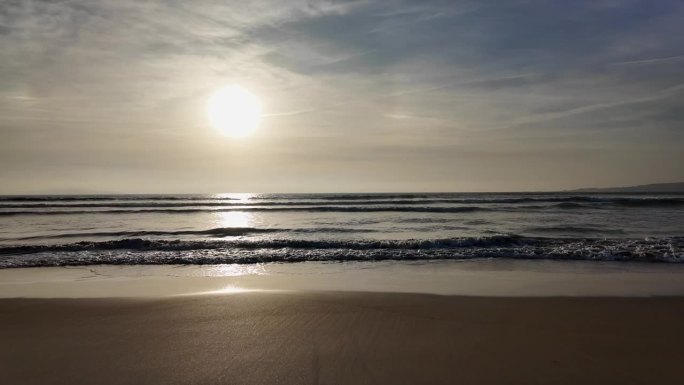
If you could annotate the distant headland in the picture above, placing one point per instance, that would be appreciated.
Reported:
(677, 187)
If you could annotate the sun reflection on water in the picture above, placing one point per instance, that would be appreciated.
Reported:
(232, 270)
(229, 289)
(234, 219)
(238, 197)
(232, 289)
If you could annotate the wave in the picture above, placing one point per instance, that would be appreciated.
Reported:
(358, 207)
(571, 205)
(274, 197)
(598, 203)
(177, 244)
(574, 229)
(646, 202)
(70, 198)
(222, 204)
(210, 204)
(257, 209)
(142, 251)
(577, 201)
(215, 232)
(163, 202)
(355, 196)
(427, 220)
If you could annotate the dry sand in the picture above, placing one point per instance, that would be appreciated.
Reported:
(342, 338)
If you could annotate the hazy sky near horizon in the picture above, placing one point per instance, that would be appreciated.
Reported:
(111, 96)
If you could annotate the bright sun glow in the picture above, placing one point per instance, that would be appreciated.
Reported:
(234, 111)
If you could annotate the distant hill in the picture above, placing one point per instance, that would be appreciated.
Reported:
(644, 188)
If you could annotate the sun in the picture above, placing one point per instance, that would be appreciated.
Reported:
(234, 111)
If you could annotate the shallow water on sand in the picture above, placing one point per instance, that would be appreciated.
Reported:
(489, 277)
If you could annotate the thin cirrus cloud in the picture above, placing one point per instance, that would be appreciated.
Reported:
(474, 95)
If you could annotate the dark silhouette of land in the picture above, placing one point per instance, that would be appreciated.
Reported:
(677, 187)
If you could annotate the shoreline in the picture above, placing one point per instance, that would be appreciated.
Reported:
(342, 338)
(494, 278)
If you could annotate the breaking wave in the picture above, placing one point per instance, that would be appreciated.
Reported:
(348, 203)
(574, 229)
(146, 251)
(71, 198)
(216, 232)
(351, 209)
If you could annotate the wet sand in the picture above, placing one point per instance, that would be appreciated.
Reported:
(342, 338)
(487, 278)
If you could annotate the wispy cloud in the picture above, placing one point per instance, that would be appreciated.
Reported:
(656, 60)
(381, 74)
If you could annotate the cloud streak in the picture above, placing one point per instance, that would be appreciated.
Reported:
(462, 86)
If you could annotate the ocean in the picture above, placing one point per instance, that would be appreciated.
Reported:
(253, 228)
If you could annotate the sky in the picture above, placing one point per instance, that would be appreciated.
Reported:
(111, 96)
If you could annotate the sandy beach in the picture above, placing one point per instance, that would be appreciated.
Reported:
(342, 338)
(442, 322)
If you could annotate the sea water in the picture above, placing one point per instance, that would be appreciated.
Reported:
(252, 228)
